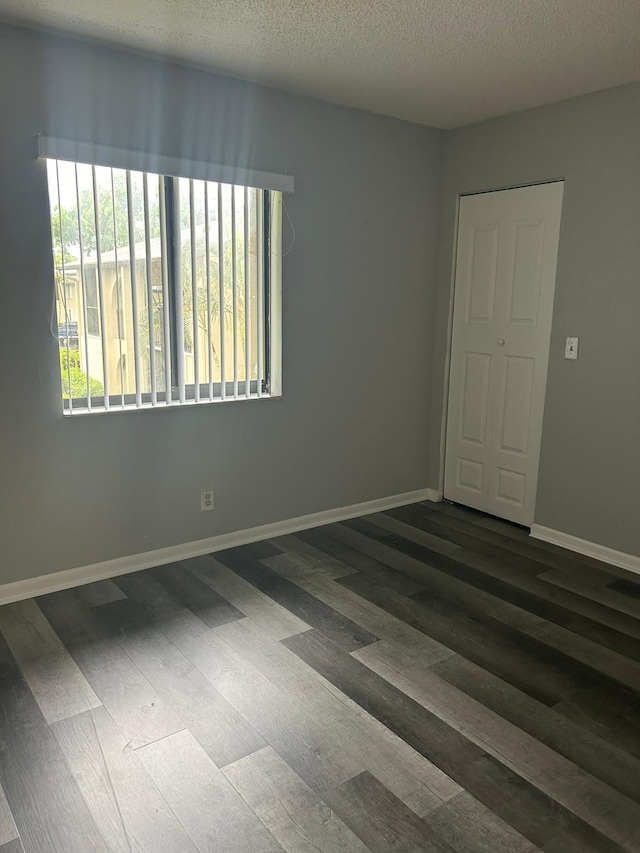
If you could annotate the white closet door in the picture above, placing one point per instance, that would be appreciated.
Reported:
(503, 304)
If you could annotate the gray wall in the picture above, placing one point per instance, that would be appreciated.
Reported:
(359, 294)
(589, 482)
(365, 311)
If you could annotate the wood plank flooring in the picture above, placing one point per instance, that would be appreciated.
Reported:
(425, 679)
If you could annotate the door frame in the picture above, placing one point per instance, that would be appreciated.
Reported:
(449, 339)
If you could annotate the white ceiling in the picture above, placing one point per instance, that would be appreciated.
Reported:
(444, 63)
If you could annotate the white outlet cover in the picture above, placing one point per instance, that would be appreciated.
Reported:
(571, 348)
(206, 500)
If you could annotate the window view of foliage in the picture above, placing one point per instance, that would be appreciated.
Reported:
(111, 209)
(212, 315)
(71, 373)
(202, 308)
(66, 218)
(113, 220)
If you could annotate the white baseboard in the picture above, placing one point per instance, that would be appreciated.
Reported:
(433, 495)
(589, 549)
(69, 578)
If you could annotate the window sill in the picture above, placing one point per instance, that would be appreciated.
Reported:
(118, 408)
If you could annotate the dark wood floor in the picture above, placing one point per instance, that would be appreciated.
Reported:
(426, 679)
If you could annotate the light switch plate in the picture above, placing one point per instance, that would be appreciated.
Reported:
(571, 348)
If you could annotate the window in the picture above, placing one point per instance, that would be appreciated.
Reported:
(178, 278)
(117, 302)
(91, 303)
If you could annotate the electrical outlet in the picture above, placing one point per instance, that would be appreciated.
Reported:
(206, 500)
(571, 348)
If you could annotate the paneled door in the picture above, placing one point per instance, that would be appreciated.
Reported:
(503, 303)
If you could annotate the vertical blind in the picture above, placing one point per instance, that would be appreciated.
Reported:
(167, 287)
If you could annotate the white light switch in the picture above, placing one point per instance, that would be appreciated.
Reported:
(571, 348)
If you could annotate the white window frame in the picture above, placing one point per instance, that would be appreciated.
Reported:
(269, 219)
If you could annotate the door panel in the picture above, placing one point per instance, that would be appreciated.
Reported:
(470, 475)
(482, 275)
(503, 303)
(514, 411)
(473, 411)
(524, 291)
(510, 487)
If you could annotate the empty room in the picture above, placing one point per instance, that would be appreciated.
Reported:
(319, 463)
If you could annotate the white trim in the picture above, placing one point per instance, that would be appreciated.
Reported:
(447, 355)
(434, 495)
(159, 164)
(588, 549)
(68, 578)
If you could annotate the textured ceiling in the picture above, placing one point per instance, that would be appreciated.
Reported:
(439, 62)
